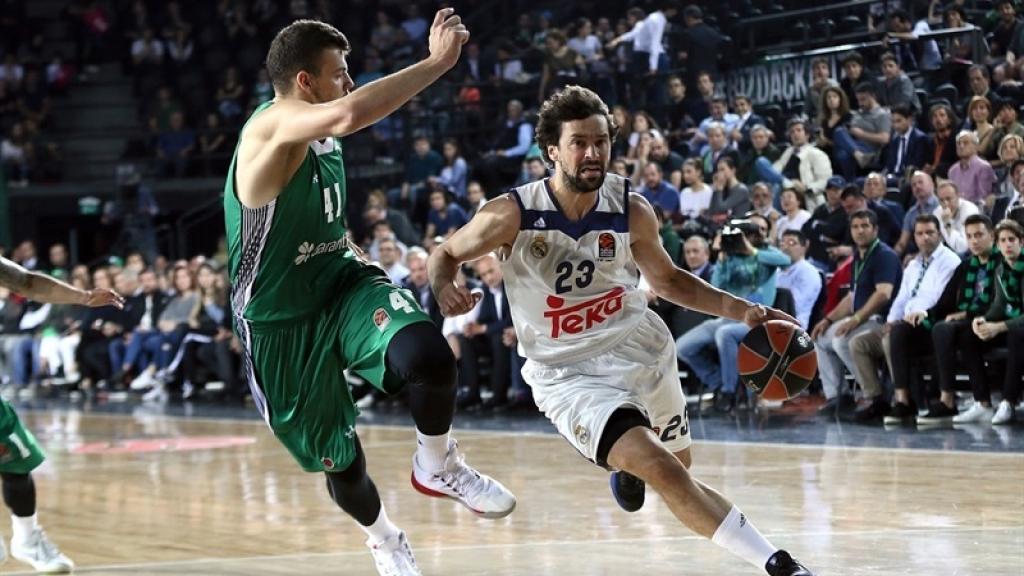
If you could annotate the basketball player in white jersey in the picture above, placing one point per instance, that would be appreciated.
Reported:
(602, 366)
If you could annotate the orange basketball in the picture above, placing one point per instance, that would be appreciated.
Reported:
(777, 360)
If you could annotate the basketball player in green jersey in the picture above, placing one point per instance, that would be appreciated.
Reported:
(307, 307)
(20, 454)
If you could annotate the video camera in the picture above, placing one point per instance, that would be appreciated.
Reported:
(732, 237)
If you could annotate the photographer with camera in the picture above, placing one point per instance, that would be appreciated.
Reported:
(747, 267)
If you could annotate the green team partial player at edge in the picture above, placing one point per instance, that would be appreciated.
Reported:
(307, 307)
(20, 454)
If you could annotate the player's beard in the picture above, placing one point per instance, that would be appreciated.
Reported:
(581, 184)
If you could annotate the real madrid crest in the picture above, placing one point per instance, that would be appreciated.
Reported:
(581, 433)
(539, 247)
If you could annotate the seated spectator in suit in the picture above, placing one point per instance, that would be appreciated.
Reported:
(659, 192)
(487, 335)
(760, 145)
(380, 231)
(858, 146)
(896, 89)
(1001, 325)
(923, 188)
(973, 175)
(1003, 205)
(876, 273)
(875, 191)
(391, 261)
(740, 134)
(924, 278)
(828, 226)
(718, 148)
(888, 226)
(953, 212)
(418, 283)
(943, 146)
(907, 149)
(697, 260)
(719, 115)
(730, 197)
(746, 267)
(801, 277)
(802, 166)
(937, 330)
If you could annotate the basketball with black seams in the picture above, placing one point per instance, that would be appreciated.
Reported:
(777, 360)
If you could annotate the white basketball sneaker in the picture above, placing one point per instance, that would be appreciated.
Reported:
(482, 494)
(393, 557)
(42, 554)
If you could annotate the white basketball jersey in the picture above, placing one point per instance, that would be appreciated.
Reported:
(572, 286)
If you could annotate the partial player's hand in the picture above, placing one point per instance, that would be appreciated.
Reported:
(457, 300)
(758, 314)
(447, 35)
(98, 297)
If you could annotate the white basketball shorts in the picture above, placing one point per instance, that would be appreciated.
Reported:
(639, 372)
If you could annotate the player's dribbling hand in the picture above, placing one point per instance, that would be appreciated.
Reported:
(447, 35)
(457, 300)
(758, 314)
(98, 297)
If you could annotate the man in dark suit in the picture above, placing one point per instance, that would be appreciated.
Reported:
(748, 119)
(141, 312)
(418, 283)
(491, 334)
(1001, 209)
(908, 148)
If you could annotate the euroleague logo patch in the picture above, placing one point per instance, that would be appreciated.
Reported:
(381, 318)
(606, 246)
(327, 462)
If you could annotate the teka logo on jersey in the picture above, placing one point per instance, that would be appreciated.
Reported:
(308, 250)
(585, 315)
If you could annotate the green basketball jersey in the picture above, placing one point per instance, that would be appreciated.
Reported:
(288, 259)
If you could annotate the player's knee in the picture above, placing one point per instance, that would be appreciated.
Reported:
(419, 354)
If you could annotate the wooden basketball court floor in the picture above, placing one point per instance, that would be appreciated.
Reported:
(156, 494)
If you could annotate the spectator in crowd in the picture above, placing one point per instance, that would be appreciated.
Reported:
(99, 327)
(34, 103)
(423, 164)
(695, 198)
(415, 25)
(903, 52)
(377, 209)
(644, 125)
(180, 48)
(953, 212)
(213, 146)
(924, 277)
(444, 217)
(868, 133)
(533, 169)
(488, 335)
(718, 147)
(747, 267)
(453, 176)
(1006, 124)
(1001, 325)
(794, 216)
(821, 79)
(720, 115)
(147, 51)
(828, 225)
(761, 203)
(802, 166)
(171, 327)
(175, 146)
(979, 82)
(876, 273)
(801, 278)
(14, 156)
(853, 74)
(760, 145)
(944, 151)
(659, 192)
(670, 162)
(1005, 31)
(12, 73)
(889, 227)
(730, 197)
(678, 119)
(513, 137)
(834, 112)
(648, 55)
(876, 193)
(979, 115)
(1014, 199)
(561, 65)
(701, 46)
(476, 198)
(384, 33)
(418, 283)
(59, 265)
(747, 120)
(128, 354)
(59, 74)
(973, 175)
(899, 28)
(908, 147)
(379, 232)
(230, 96)
(923, 188)
(939, 329)
(391, 260)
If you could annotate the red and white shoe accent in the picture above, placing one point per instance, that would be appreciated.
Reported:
(484, 495)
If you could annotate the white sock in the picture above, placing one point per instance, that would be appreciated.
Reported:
(431, 451)
(381, 529)
(740, 537)
(23, 527)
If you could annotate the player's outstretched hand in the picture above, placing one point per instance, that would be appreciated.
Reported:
(758, 314)
(457, 300)
(447, 35)
(98, 297)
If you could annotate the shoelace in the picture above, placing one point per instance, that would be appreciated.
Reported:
(40, 542)
(465, 481)
(390, 566)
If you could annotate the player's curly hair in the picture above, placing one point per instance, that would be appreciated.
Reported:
(298, 47)
(571, 103)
